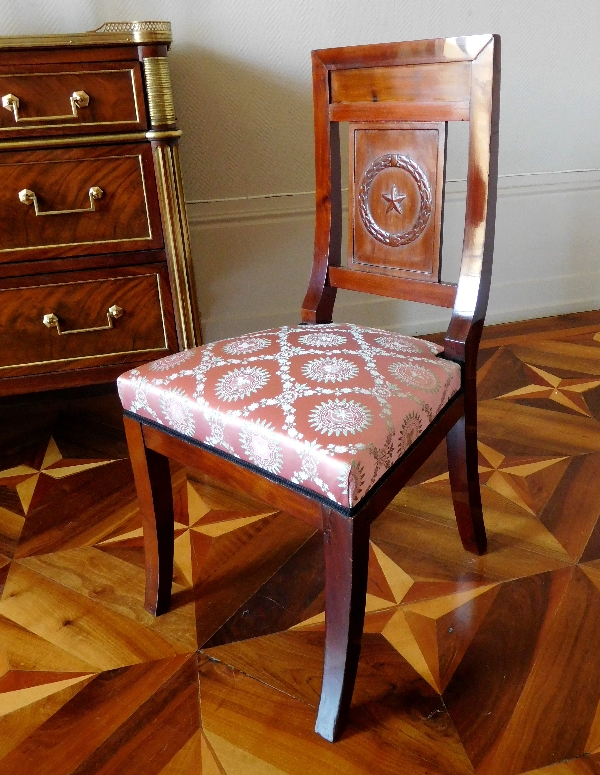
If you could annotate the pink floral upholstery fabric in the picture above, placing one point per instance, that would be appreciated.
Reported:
(327, 407)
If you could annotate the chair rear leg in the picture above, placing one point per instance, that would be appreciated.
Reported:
(463, 467)
(346, 570)
(155, 496)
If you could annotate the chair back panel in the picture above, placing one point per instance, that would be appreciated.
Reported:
(396, 187)
(433, 82)
(397, 99)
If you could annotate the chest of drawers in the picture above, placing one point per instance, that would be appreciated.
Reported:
(95, 266)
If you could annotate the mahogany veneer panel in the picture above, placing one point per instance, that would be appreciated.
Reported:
(396, 186)
(125, 218)
(116, 98)
(435, 82)
(81, 301)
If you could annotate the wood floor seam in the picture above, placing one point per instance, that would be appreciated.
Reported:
(252, 677)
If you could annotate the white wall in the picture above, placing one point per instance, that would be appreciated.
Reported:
(241, 74)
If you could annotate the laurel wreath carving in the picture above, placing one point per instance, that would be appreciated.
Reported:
(408, 165)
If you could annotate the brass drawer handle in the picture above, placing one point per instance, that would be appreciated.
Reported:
(79, 99)
(51, 321)
(30, 198)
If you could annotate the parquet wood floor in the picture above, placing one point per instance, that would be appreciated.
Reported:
(469, 665)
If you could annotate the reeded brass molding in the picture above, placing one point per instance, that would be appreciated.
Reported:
(158, 88)
(177, 241)
(147, 32)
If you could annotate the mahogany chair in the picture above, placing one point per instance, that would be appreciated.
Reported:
(324, 421)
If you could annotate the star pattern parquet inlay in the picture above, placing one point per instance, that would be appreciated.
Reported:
(469, 665)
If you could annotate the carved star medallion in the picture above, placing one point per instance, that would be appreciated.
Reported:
(394, 200)
(566, 392)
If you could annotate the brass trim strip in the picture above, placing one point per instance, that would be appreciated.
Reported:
(22, 129)
(73, 244)
(102, 355)
(141, 32)
(81, 358)
(59, 142)
(163, 134)
(158, 89)
(162, 307)
(175, 231)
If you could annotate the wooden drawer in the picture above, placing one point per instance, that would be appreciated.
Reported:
(60, 216)
(86, 333)
(65, 99)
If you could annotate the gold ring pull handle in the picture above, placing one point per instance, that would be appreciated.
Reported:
(51, 321)
(79, 99)
(30, 198)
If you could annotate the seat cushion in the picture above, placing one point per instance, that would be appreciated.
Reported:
(328, 408)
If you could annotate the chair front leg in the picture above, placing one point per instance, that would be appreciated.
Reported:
(463, 466)
(346, 570)
(155, 497)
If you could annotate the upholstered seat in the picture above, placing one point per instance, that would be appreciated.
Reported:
(327, 408)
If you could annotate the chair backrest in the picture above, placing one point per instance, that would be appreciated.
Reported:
(398, 99)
